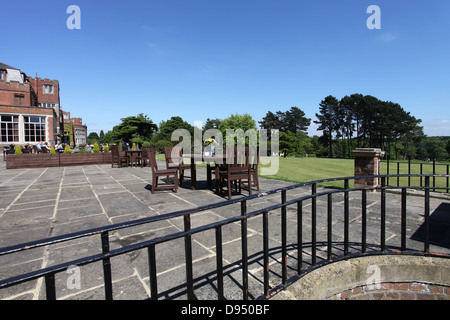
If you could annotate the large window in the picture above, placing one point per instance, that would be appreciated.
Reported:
(9, 128)
(34, 129)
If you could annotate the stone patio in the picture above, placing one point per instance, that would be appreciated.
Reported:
(41, 203)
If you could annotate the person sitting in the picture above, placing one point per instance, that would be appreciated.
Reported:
(59, 147)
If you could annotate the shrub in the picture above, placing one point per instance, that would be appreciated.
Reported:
(67, 149)
(146, 144)
(18, 150)
(105, 148)
(96, 148)
(52, 150)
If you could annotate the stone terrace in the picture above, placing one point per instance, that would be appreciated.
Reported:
(40, 203)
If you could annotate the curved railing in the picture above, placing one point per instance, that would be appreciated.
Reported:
(346, 247)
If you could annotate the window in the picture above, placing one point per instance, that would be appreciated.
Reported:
(2, 75)
(9, 128)
(48, 88)
(19, 99)
(34, 129)
(47, 105)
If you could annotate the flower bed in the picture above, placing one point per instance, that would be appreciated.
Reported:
(56, 160)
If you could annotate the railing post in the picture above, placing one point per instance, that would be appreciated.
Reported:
(448, 166)
(346, 217)
(387, 170)
(383, 215)
(329, 225)
(434, 172)
(107, 266)
(188, 257)
(409, 170)
(152, 272)
(313, 223)
(283, 238)
(421, 173)
(266, 252)
(299, 236)
(364, 220)
(427, 215)
(219, 262)
(244, 251)
(50, 288)
(403, 220)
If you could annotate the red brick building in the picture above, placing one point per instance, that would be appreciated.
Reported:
(75, 132)
(30, 108)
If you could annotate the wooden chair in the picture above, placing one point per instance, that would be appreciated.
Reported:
(236, 169)
(156, 173)
(254, 161)
(117, 158)
(174, 159)
(146, 155)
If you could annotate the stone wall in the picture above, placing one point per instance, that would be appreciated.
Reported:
(396, 276)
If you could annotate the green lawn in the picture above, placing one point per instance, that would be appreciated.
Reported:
(300, 170)
(427, 168)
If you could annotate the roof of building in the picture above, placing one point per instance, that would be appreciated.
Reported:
(5, 66)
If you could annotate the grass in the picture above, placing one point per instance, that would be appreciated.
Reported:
(427, 168)
(299, 170)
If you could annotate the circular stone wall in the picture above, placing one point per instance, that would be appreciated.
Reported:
(404, 277)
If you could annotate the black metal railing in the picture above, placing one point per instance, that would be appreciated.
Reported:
(422, 165)
(346, 248)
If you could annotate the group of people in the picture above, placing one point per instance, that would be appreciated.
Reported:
(58, 147)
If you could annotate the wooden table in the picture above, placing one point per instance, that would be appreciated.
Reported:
(208, 159)
(133, 154)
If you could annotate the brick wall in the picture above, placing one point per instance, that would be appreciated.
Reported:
(37, 85)
(396, 291)
(9, 89)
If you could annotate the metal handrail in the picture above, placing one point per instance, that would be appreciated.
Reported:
(106, 254)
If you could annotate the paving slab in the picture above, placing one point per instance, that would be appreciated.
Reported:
(40, 203)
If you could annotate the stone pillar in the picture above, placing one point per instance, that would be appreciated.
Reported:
(367, 163)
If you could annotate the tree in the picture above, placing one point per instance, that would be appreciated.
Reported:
(327, 120)
(92, 138)
(102, 137)
(139, 126)
(166, 128)
(244, 122)
(212, 124)
(293, 120)
(376, 124)
(295, 144)
(270, 121)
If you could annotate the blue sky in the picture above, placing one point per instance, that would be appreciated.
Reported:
(202, 59)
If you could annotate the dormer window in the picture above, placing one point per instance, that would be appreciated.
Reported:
(48, 88)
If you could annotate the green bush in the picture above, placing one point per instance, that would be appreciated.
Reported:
(52, 150)
(67, 149)
(96, 148)
(18, 150)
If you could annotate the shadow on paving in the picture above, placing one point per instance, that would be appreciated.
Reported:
(439, 227)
